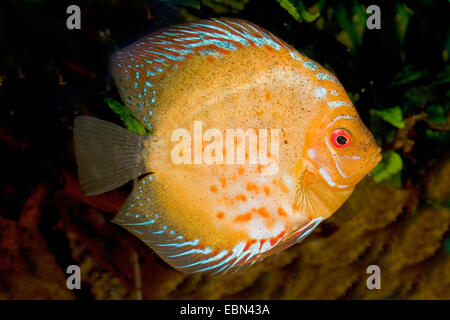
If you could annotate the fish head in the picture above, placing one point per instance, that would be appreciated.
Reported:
(339, 151)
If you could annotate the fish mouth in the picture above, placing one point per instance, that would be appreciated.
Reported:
(375, 159)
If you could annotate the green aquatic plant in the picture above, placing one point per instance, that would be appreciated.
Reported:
(298, 11)
(126, 116)
(392, 115)
(389, 169)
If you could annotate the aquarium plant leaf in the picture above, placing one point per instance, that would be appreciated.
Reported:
(436, 113)
(185, 3)
(126, 116)
(389, 167)
(408, 74)
(420, 95)
(444, 76)
(353, 24)
(402, 16)
(392, 115)
(440, 136)
(298, 10)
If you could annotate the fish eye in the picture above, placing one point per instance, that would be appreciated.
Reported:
(340, 138)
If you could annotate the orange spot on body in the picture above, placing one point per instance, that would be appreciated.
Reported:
(220, 215)
(211, 59)
(283, 187)
(241, 170)
(223, 182)
(281, 212)
(267, 190)
(295, 207)
(213, 189)
(241, 197)
(243, 217)
(268, 95)
(251, 187)
(262, 212)
(259, 168)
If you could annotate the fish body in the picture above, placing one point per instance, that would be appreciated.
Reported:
(205, 90)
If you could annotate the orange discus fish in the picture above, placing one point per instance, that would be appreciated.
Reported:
(253, 145)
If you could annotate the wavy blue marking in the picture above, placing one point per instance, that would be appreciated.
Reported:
(295, 56)
(310, 65)
(148, 84)
(187, 39)
(137, 231)
(221, 22)
(320, 92)
(324, 76)
(183, 244)
(217, 265)
(159, 69)
(181, 51)
(168, 56)
(207, 250)
(159, 232)
(180, 237)
(163, 42)
(303, 235)
(218, 256)
(228, 36)
(220, 44)
(160, 60)
(210, 52)
(148, 61)
(149, 73)
(139, 223)
(259, 41)
(335, 104)
(173, 34)
(148, 123)
(254, 249)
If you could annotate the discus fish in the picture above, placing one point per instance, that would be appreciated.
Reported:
(198, 205)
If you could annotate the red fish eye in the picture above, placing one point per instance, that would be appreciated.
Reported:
(340, 138)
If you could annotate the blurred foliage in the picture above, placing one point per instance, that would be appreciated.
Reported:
(392, 116)
(187, 3)
(297, 10)
(389, 168)
(126, 116)
(225, 6)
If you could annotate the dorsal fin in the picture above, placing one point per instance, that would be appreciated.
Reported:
(139, 67)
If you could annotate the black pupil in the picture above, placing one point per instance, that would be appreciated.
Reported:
(341, 140)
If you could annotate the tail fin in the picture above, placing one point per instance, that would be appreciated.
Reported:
(108, 155)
